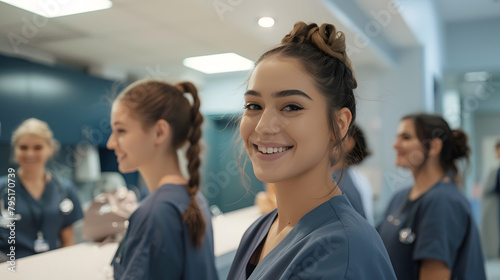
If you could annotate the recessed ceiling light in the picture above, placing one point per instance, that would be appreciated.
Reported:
(51, 9)
(266, 22)
(218, 63)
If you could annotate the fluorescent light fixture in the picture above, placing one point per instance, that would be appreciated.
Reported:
(266, 22)
(218, 63)
(59, 8)
(476, 76)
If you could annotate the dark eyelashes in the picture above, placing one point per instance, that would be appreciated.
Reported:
(251, 106)
(293, 107)
(288, 107)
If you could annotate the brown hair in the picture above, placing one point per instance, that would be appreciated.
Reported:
(360, 150)
(321, 51)
(151, 101)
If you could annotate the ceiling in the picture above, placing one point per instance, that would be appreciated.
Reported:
(152, 37)
(467, 10)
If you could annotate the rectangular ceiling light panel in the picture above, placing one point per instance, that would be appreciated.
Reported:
(218, 63)
(59, 8)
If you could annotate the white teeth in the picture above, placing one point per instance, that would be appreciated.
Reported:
(265, 150)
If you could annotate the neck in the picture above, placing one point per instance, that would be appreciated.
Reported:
(162, 170)
(32, 175)
(425, 178)
(338, 166)
(299, 195)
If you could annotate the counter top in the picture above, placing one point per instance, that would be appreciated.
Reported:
(91, 261)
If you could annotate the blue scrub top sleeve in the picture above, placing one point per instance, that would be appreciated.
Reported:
(77, 212)
(169, 242)
(154, 245)
(440, 230)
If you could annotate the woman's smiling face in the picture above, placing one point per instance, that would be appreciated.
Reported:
(32, 151)
(285, 126)
(133, 145)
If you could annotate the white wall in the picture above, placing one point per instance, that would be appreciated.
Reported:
(383, 98)
(473, 46)
(423, 19)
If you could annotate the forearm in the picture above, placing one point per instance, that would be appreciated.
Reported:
(67, 236)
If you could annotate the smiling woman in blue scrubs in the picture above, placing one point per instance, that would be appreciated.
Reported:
(170, 234)
(428, 230)
(48, 206)
(299, 104)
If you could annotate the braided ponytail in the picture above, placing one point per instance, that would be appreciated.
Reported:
(193, 216)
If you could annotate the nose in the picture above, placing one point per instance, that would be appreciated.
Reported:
(269, 123)
(395, 145)
(111, 144)
(30, 152)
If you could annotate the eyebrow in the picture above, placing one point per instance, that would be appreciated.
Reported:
(283, 93)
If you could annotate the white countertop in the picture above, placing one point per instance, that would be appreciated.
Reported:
(230, 227)
(79, 262)
(90, 261)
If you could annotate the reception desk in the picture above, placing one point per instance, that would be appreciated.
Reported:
(92, 261)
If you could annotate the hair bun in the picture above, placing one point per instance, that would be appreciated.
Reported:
(460, 147)
(325, 37)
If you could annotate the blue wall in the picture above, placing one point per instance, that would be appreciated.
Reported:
(66, 98)
(73, 102)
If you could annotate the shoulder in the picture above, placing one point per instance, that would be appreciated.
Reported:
(155, 206)
(346, 246)
(446, 196)
(443, 200)
(64, 182)
(349, 227)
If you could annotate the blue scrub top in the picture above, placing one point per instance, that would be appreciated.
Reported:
(348, 187)
(157, 243)
(54, 221)
(444, 230)
(331, 242)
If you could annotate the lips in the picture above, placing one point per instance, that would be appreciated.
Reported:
(30, 161)
(119, 157)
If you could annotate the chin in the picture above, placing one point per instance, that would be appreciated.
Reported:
(268, 177)
(126, 169)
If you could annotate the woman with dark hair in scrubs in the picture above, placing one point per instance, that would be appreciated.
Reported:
(428, 230)
(299, 104)
(170, 234)
(47, 206)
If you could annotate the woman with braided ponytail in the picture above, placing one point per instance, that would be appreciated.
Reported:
(299, 105)
(429, 231)
(170, 234)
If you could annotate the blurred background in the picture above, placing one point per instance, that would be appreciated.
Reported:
(439, 56)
